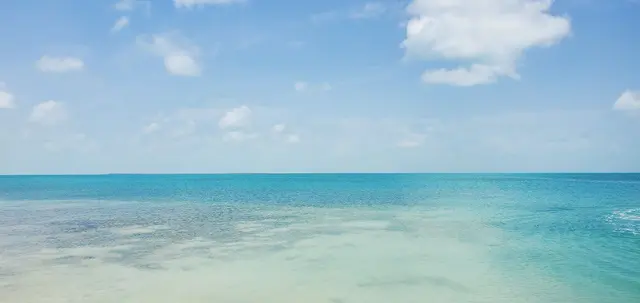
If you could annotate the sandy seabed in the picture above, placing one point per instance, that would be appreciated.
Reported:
(136, 252)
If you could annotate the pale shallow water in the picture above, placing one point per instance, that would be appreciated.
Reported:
(320, 238)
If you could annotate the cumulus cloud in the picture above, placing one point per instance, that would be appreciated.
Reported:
(120, 24)
(7, 100)
(369, 10)
(192, 3)
(48, 113)
(628, 101)
(491, 34)
(236, 118)
(179, 54)
(59, 64)
(182, 65)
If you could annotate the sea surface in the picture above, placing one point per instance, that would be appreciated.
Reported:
(335, 238)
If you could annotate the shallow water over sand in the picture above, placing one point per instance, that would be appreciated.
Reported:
(455, 249)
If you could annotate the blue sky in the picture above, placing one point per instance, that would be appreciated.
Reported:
(319, 86)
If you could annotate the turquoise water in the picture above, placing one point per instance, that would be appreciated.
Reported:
(320, 238)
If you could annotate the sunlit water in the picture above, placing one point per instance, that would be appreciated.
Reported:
(320, 238)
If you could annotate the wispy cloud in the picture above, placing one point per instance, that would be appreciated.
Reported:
(48, 113)
(59, 64)
(369, 10)
(120, 24)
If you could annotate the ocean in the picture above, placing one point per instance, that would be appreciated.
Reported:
(335, 238)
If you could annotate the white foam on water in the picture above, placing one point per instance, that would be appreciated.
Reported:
(630, 214)
(334, 256)
(627, 220)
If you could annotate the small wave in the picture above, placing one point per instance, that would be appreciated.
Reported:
(626, 220)
(631, 214)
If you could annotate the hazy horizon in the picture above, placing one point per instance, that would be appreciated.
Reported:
(333, 173)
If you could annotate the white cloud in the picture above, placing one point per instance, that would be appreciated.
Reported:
(120, 24)
(151, 128)
(179, 54)
(59, 64)
(492, 34)
(369, 10)
(48, 113)
(476, 74)
(236, 118)
(628, 101)
(7, 100)
(181, 65)
(279, 128)
(192, 3)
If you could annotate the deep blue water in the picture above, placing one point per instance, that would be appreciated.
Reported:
(546, 237)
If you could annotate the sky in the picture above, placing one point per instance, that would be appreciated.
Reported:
(237, 86)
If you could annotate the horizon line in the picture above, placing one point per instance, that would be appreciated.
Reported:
(312, 173)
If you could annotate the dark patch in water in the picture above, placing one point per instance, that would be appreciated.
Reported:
(79, 226)
(149, 266)
(71, 259)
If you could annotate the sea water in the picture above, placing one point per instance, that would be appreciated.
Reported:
(320, 238)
